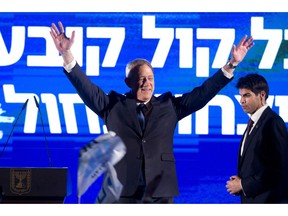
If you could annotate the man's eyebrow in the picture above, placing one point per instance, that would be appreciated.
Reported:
(145, 76)
(246, 94)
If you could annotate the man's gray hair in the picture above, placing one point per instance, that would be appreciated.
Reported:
(134, 66)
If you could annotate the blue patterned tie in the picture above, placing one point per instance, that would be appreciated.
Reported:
(141, 116)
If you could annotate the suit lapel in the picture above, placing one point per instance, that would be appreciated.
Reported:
(239, 152)
(249, 139)
(131, 106)
(153, 115)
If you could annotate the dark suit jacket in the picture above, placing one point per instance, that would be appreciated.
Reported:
(263, 166)
(155, 144)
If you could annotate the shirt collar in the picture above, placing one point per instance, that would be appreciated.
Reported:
(255, 117)
(143, 103)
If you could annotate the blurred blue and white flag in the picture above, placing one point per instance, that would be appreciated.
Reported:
(111, 188)
(96, 158)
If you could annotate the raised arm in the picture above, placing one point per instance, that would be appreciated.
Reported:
(62, 42)
(239, 52)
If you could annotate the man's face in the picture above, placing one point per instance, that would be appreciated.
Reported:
(251, 102)
(142, 83)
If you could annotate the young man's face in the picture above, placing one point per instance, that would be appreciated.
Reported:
(251, 102)
(142, 84)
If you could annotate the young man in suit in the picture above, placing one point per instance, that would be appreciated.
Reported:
(149, 159)
(263, 155)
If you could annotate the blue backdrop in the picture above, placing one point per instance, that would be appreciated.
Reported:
(184, 48)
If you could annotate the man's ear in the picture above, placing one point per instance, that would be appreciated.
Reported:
(263, 94)
(263, 97)
(128, 82)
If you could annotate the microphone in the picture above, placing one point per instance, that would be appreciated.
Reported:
(23, 107)
(47, 148)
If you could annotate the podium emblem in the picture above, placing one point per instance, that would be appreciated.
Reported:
(20, 181)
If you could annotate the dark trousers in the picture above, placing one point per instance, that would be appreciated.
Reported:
(141, 197)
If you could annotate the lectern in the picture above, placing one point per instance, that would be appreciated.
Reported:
(33, 185)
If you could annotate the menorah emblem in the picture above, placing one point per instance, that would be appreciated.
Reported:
(20, 181)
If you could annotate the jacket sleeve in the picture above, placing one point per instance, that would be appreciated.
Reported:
(197, 98)
(92, 95)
